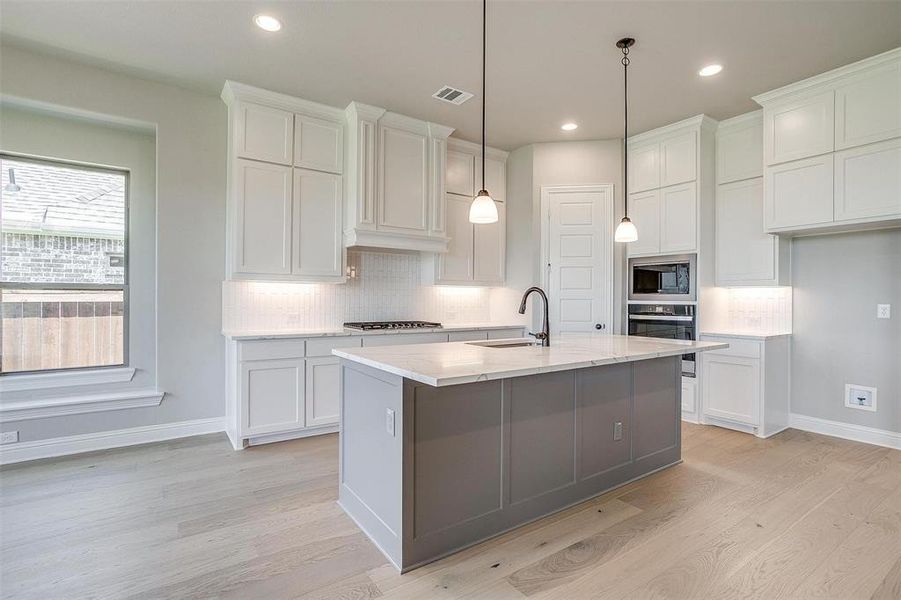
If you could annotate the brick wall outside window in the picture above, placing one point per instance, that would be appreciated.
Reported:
(60, 259)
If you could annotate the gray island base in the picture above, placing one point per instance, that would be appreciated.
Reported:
(426, 470)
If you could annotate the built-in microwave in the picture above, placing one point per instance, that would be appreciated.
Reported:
(670, 278)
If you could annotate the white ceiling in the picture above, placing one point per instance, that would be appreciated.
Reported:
(548, 62)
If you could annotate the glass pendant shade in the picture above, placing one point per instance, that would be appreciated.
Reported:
(483, 209)
(626, 231)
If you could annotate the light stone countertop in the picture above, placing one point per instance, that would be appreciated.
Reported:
(306, 333)
(746, 334)
(463, 362)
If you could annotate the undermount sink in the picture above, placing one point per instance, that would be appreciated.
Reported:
(504, 343)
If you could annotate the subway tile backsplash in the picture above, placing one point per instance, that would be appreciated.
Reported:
(387, 287)
(760, 309)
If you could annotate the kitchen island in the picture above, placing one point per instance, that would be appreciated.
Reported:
(445, 445)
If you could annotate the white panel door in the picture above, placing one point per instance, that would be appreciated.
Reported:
(578, 248)
(272, 396)
(262, 218)
(318, 244)
(644, 210)
(403, 182)
(868, 181)
(264, 133)
(731, 387)
(489, 249)
(799, 128)
(678, 159)
(868, 108)
(318, 144)
(460, 176)
(799, 193)
(744, 253)
(739, 152)
(678, 218)
(455, 265)
(323, 391)
(644, 167)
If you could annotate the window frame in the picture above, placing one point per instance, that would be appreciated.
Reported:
(124, 287)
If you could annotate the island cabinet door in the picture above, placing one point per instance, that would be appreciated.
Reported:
(272, 396)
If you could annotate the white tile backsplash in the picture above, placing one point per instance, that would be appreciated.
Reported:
(760, 309)
(387, 287)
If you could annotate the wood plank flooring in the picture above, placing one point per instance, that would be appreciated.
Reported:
(795, 516)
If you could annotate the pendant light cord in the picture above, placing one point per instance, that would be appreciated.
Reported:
(626, 131)
(484, 44)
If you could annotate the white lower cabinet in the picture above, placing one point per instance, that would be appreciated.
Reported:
(689, 399)
(272, 393)
(323, 377)
(746, 386)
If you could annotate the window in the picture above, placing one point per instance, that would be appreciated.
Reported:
(63, 266)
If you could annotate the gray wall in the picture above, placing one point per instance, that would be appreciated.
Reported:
(837, 339)
(190, 220)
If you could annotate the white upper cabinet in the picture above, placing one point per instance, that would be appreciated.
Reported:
(678, 159)
(318, 201)
(868, 107)
(460, 173)
(644, 167)
(403, 193)
(264, 133)
(868, 181)
(678, 218)
(456, 265)
(489, 249)
(644, 210)
(262, 218)
(739, 148)
(495, 177)
(318, 144)
(830, 145)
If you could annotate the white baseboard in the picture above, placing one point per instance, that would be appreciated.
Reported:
(857, 433)
(103, 440)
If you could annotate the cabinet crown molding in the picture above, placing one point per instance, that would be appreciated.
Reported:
(827, 79)
(234, 92)
(473, 148)
(358, 110)
(698, 121)
(754, 117)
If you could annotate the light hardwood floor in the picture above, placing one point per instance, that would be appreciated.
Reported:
(795, 516)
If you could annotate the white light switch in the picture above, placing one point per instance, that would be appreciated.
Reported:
(389, 421)
(883, 311)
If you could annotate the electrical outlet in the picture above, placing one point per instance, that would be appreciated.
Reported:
(9, 437)
(883, 311)
(617, 431)
(860, 396)
(389, 421)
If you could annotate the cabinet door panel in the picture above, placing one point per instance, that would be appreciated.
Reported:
(489, 245)
(678, 218)
(403, 188)
(868, 181)
(868, 108)
(264, 134)
(495, 177)
(644, 210)
(644, 168)
(272, 396)
(460, 173)
(739, 152)
(323, 391)
(799, 193)
(689, 395)
(456, 264)
(262, 218)
(318, 247)
(731, 388)
(799, 128)
(744, 252)
(318, 144)
(678, 159)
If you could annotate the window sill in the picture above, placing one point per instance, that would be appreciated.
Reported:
(43, 408)
(28, 382)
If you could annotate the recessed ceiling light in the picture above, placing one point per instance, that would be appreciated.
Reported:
(266, 22)
(569, 126)
(710, 70)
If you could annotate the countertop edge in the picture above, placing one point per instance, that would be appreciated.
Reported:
(274, 335)
(745, 335)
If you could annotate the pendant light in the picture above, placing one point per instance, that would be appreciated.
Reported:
(483, 210)
(626, 231)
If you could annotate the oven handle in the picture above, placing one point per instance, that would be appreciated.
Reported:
(660, 318)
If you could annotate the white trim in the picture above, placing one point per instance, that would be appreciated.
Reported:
(13, 382)
(269, 438)
(848, 431)
(461, 145)
(104, 440)
(233, 92)
(42, 408)
(701, 121)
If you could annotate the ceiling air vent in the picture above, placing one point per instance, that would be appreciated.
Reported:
(452, 95)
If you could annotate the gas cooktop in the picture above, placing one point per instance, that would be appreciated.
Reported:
(370, 325)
